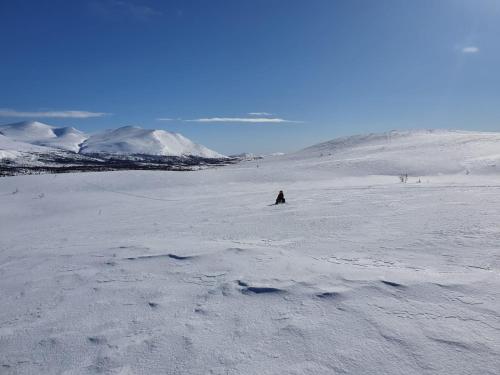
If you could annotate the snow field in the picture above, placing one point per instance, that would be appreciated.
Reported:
(193, 273)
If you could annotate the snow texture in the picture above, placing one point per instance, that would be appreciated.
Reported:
(194, 273)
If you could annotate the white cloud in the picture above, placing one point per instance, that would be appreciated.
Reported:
(259, 114)
(164, 119)
(51, 114)
(470, 49)
(242, 119)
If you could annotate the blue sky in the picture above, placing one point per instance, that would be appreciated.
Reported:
(256, 76)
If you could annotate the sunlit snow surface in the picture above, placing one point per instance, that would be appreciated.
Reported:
(194, 272)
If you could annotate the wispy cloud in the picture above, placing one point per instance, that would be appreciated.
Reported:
(259, 114)
(470, 49)
(51, 114)
(252, 118)
(255, 120)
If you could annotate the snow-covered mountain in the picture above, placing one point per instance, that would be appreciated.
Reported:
(38, 133)
(135, 140)
(419, 152)
(126, 140)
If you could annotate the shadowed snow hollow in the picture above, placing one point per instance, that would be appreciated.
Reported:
(421, 152)
(38, 133)
(135, 140)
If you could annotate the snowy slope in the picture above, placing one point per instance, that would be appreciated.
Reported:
(418, 152)
(10, 149)
(66, 138)
(41, 134)
(28, 131)
(135, 140)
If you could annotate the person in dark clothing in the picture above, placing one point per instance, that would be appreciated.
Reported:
(280, 198)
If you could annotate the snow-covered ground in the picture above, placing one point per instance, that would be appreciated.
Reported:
(194, 273)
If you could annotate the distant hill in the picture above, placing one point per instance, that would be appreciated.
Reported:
(418, 152)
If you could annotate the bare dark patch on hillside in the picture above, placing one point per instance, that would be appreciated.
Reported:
(67, 162)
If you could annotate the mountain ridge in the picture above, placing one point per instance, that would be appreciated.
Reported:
(126, 140)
